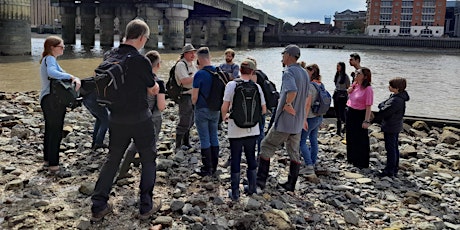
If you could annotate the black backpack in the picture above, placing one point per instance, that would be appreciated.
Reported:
(64, 91)
(215, 99)
(109, 79)
(246, 105)
(271, 95)
(173, 89)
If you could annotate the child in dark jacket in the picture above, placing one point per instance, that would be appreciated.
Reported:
(391, 112)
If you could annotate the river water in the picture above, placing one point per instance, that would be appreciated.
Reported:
(433, 75)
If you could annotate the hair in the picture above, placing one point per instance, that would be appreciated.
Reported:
(246, 70)
(398, 83)
(136, 28)
(355, 56)
(367, 77)
(232, 52)
(303, 64)
(154, 57)
(316, 74)
(340, 76)
(203, 52)
(51, 41)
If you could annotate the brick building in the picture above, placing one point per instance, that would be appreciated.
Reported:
(406, 18)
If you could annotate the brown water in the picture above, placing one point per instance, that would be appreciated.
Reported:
(433, 75)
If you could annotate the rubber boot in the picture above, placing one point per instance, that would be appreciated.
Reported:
(262, 172)
(214, 158)
(179, 138)
(234, 193)
(186, 140)
(292, 177)
(206, 160)
(251, 188)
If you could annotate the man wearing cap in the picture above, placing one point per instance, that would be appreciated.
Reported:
(240, 138)
(289, 119)
(184, 72)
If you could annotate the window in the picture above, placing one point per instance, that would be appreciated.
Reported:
(384, 31)
(404, 31)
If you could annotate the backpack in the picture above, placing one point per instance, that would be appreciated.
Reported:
(215, 99)
(173, 89)
(271, 95)
(64, 91)
(323, 101)
(109, 79)
(246, 105)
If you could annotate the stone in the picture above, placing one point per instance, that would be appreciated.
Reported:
(351, 217)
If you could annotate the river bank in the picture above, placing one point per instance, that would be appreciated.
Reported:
(424, 196)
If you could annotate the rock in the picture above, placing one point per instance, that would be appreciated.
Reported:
(351, 217)
(163, 220)
(87, 188)
(420, 125)
(273, 219)
(449, 137)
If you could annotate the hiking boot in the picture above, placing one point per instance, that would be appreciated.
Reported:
(96, 217)
(156, 207)
(307, 170)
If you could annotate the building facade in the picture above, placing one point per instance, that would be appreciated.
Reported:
(425, 18)
(343, 19)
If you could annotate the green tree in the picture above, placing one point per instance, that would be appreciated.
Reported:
(356, 27)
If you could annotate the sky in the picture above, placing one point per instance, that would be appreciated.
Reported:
(294, 11)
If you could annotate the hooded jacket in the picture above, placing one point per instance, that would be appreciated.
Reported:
(392, 111)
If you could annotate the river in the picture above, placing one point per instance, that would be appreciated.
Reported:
(431, 74)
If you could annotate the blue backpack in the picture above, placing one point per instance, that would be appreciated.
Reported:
(323, 101)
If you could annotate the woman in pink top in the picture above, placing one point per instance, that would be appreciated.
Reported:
(361, 97)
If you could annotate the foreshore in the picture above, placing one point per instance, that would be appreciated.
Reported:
(425, 195)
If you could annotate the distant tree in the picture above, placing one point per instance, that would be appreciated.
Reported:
(356, 27)
(288, 27)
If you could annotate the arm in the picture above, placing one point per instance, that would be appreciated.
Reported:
(161, 101)
(182, 74)
(195, 92)
(307, 111)
(288, 107)
(154, 90)
(366, 122)
(224, 110)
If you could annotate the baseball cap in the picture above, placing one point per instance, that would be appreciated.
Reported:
(188, 48)
(248, 64)
(292, 50)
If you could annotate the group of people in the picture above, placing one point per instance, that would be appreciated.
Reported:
(135, 127)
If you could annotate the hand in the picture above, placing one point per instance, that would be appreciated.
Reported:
(288, 108)
(305, 125)
(225, 117)
(365, 125)
(77, 82)
(156, 89)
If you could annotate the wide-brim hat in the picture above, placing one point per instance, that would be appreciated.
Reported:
(188, 48)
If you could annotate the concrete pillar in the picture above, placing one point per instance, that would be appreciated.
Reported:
(106, 24)
(125, 13)
(152, 17)
(176, 32)
(87, 15)
(244, 30)
(232, 32)
(15, 32)
(196, 26)
(214, 36)
(259, 35)
(457, 25)
(68, 16)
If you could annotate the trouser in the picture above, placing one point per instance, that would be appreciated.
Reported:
(102, 118)
(236, 149)
(54, 114)
(391, 146)
(186, 115)
(120, 136)
(358, 146)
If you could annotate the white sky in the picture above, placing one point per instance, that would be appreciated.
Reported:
(294, 11)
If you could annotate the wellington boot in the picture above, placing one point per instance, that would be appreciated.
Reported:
(262, 172)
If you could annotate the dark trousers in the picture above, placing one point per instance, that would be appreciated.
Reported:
(102, 118)
(120, 136)
(339, 107)
(237, 145)
(186, 115)
(391, 146)
(358, 146)
(54, 114)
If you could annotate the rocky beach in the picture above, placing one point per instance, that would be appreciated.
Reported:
(425, 195)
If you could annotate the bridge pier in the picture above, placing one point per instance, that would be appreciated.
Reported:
(125, 13)
(68, 16)
(259, 35)
(176, 33)
(195, 26)
(232, 32)
(87, 16)
(152, 17)
(15, 32)
(213, 26)
(244, 31)
(106, 24)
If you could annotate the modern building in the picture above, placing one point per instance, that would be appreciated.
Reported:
(424, 18)
(452, 27)
(347, 17)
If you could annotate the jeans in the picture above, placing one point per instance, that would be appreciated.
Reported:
(310, 153)
(206, 124)
(120, 136)
(262, 133)
(391, 146)
(54, 114)
(236, 148)
(185, 115)
(102, 118)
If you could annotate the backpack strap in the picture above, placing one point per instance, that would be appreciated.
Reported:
(178, 82)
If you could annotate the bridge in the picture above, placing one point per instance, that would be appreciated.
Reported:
(214, 23)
